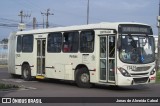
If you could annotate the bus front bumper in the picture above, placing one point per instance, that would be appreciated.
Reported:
(126, 81)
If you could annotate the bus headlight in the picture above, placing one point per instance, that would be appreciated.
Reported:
(124, 72)
(153, 71)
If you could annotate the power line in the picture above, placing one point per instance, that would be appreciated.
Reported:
(16, 25)
(9, 25)
(29, 24)
(11, 20)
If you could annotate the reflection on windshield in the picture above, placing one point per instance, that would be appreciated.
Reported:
(136, 49)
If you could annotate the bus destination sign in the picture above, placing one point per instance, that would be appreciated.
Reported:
(135, 29)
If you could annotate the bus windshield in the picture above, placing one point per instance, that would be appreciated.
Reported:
(136, 49)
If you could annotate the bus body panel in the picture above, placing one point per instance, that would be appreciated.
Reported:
(63, 66)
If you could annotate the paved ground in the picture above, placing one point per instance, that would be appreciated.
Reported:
(55, 88)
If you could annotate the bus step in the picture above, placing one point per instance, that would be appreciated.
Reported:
(40, 77)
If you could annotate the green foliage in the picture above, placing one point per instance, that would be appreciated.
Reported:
(7, 86)
(158, 77)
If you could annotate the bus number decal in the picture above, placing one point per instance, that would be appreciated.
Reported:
(131, 68)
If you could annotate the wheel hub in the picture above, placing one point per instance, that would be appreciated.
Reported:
(85, 78)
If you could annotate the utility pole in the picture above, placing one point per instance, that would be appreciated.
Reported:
(34, 23)
(88, 12)
(21, 25)
(22, 15)
(158, 61)
(47, 15)
(43, 21)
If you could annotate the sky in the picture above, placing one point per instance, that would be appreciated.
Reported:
(74, 12)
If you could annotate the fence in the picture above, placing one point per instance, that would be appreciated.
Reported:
(3, 54)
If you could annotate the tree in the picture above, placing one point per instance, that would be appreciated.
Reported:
(5, 41)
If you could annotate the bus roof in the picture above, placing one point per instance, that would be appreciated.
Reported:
(107, 25)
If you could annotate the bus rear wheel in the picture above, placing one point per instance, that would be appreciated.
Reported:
(83, 78)
(26, 72)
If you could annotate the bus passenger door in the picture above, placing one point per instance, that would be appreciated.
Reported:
(41, 45)
(107, 58)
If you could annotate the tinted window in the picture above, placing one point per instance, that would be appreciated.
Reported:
(19, 43)
(71, 42)
(87, 41)
(27, 43)
(54, 42)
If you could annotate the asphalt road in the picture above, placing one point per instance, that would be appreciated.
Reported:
(56, 88)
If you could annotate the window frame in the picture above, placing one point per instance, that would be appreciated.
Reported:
(75, 38)
(81, 41)
(52, 34)
(19, 44)
(31, 42)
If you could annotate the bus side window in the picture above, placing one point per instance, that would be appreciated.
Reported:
(112, 46)
(87, 41)
(66, 47)
(71, 42)
(19, 43)
(54, 42)
(27, 43)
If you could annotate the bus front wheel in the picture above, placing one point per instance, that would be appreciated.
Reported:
(26, 72)
(83, 78)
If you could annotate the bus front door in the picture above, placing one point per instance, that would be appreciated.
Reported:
(107, 58)
(41, 45)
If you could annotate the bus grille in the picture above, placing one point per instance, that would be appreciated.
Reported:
(139, 74)
(140, 80)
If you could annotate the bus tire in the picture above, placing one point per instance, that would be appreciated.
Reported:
(83, 78)
(26, 72)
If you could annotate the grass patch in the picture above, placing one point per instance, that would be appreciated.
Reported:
(7, 86)
(158, 77)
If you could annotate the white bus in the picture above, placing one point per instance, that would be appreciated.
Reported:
(119, 54)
